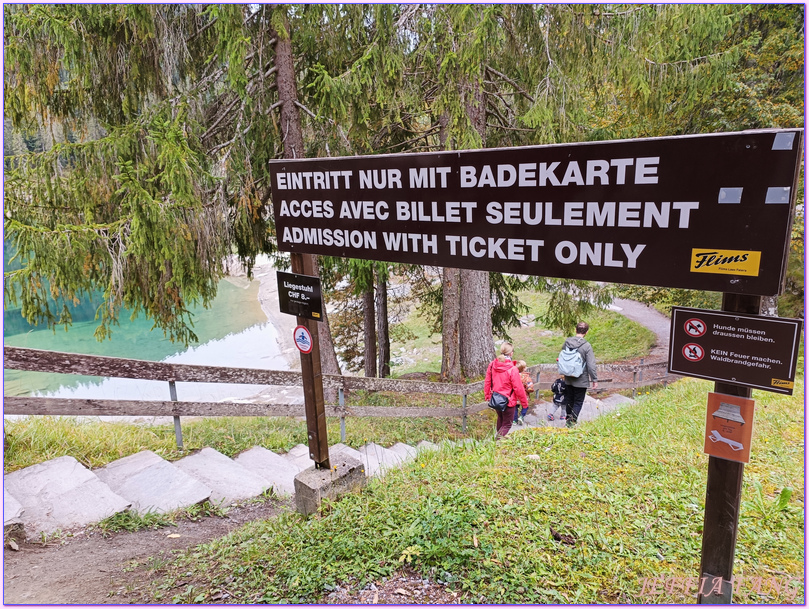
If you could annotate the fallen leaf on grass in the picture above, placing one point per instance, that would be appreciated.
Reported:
(566, 539)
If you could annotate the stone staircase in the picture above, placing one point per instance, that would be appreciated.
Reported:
(62, 494)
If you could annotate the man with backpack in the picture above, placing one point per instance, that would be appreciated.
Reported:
(578, 364)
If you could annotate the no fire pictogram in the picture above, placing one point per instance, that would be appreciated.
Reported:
(695, 327)
(693, 352)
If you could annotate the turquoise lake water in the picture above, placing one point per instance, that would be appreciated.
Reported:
(234, 331)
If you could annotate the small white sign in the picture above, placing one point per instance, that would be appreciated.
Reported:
(303, 339)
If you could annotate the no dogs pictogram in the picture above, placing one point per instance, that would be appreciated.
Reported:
(695, 327)
(693, 352)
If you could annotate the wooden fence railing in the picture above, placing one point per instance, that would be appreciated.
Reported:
(17, 358)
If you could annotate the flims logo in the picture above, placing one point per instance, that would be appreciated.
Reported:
(783, 384)
(725, 262)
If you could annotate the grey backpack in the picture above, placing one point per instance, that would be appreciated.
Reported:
(570, 362)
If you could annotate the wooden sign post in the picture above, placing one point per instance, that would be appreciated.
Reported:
(312, 378)
(723, 493)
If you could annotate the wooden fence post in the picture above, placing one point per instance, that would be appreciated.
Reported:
(341, 399)
(178, 431)
(463, 405)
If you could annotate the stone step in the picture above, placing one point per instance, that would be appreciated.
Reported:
(12, 510)
(297, 451)
(377, 459)
(299, 456)
(277, 470)
(344, 448)
(152, 484)
(405, 451)
(61, 494)
(229, 481)
(591, 409)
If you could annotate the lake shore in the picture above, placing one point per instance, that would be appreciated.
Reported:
(264, 273)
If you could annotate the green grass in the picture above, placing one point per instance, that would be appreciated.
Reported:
(613, 336)
(628, 487)
(95, 444)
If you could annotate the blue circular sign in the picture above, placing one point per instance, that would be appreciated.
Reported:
(303, 339)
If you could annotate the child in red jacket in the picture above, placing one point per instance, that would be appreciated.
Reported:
(528, 385)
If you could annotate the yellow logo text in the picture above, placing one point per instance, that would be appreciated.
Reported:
(725, 262)
(784, 384)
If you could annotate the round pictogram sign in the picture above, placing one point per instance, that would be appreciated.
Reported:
(303, 339)
(695, 327)
(693, 352)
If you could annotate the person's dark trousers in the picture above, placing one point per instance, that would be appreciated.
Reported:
(574, 400)
(504, 421)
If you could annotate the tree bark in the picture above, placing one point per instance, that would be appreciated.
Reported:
(475, 328)
(382, 329)
(451, 311)
(294, 148)
(288, 96)
(769, 306)
(369, 331)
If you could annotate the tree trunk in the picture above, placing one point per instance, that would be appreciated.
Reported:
(476, 343)
(288, 96)
(450, 345)
(369, 331)
(451, 298)
(328, 355)
(769, 306)
(293, 148)
(382, 330)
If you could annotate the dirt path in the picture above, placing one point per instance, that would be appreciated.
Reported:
(650, 318)
(91, 569)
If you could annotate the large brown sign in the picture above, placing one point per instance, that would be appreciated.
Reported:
(709, 212)
(749, 350)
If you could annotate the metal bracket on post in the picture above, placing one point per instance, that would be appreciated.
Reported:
(341, 398)
(178, 431)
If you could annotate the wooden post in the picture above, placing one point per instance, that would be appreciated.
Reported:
(178, 431)
(723, 495)
(463, 405)
(304, 264)
(341, 398)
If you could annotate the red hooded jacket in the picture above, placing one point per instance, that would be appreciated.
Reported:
(504, 378)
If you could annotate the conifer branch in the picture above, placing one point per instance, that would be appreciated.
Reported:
(511, 82)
